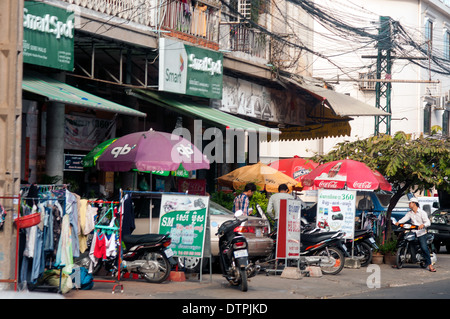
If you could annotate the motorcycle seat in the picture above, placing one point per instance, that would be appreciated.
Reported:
(317, 237)
(359, 232)
(142, 239)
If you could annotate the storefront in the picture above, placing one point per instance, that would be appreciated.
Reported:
(61, 122)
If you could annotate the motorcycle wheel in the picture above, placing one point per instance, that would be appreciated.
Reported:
(365, 252)
(400, 257)
(244, 281)
(162, 272)
(336, 254)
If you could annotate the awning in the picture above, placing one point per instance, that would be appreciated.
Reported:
(341, 104)
(334, 129)
(207, 113)
(58, 91)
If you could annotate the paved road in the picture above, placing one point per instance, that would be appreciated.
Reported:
(373, 281)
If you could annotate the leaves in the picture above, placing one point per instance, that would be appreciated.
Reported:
(408, 164)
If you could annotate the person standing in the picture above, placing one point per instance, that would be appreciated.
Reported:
(273, 207)
(419, 218)
(242, 201)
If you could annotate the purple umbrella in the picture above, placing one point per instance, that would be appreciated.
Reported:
(151, 151)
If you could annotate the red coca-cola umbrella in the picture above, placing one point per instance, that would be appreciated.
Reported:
(348, 174)
(294, 167)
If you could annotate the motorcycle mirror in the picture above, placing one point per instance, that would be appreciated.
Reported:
(238, 213)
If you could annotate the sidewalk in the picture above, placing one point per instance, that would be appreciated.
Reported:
(347, 283)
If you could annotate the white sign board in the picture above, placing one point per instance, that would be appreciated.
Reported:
(336, 211)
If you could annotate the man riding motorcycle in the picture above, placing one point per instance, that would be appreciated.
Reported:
(420, 218)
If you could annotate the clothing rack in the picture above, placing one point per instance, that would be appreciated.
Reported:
(118, 229)
(45, 198)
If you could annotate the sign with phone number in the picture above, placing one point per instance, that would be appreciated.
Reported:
(336, 211)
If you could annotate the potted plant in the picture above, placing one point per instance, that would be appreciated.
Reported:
(388, 250)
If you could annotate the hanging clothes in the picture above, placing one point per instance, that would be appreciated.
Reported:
(128, 224)
(72, 211)
(64, 255)
(100, 246)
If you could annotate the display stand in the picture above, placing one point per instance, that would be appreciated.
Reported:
(118, 230)
(156, 195)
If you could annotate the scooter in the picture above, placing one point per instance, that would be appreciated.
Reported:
(363, 244)
(233, 253)
(323, 249)
(148, 255)
(319, 248)
(408, 247)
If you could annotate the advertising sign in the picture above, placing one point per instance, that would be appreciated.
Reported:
(185, 218)
(85, 133)
(288, 234)
(190, 70)
(73, 162)
(48, 36)
(336, 211)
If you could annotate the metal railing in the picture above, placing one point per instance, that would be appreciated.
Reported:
(240, 37)
(199, 23)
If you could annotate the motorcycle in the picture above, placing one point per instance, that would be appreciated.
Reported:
(319, 248)
(363, 244)
(148, 255)
(323, 249)
(408, 247)
(233, 254)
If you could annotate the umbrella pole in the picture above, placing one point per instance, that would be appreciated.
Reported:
(151, 204)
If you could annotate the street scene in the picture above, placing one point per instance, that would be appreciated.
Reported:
(224, 155)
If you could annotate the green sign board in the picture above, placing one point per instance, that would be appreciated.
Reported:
(190, 70)
(48, 36)
(185, 218)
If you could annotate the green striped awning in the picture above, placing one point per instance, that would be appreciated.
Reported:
(58, 91)
(207, 113)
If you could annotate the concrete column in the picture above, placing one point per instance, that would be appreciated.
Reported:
(11, 38)
(54, 150)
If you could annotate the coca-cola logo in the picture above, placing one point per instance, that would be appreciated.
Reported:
(328, 184)
(362, 185)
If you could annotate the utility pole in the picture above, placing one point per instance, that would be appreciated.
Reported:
(384, 65)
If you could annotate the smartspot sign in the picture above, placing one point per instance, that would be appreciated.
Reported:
(190, 70)
(48, 36)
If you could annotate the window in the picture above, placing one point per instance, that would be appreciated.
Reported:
(447, 45)
(428, 35)
(427, 119)
(445, 118)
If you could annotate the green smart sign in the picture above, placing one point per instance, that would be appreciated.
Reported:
(185, 218)
(48, 36)
(190, 70)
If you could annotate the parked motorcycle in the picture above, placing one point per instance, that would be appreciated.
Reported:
(408, 247)
(148, 255)
(233, 253)
(363, 244)
(323, 249)
(319, 248)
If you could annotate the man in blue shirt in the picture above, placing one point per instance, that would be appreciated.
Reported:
(242, 201)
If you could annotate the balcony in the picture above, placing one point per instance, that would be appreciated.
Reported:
(239, 37)
(196, 22)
